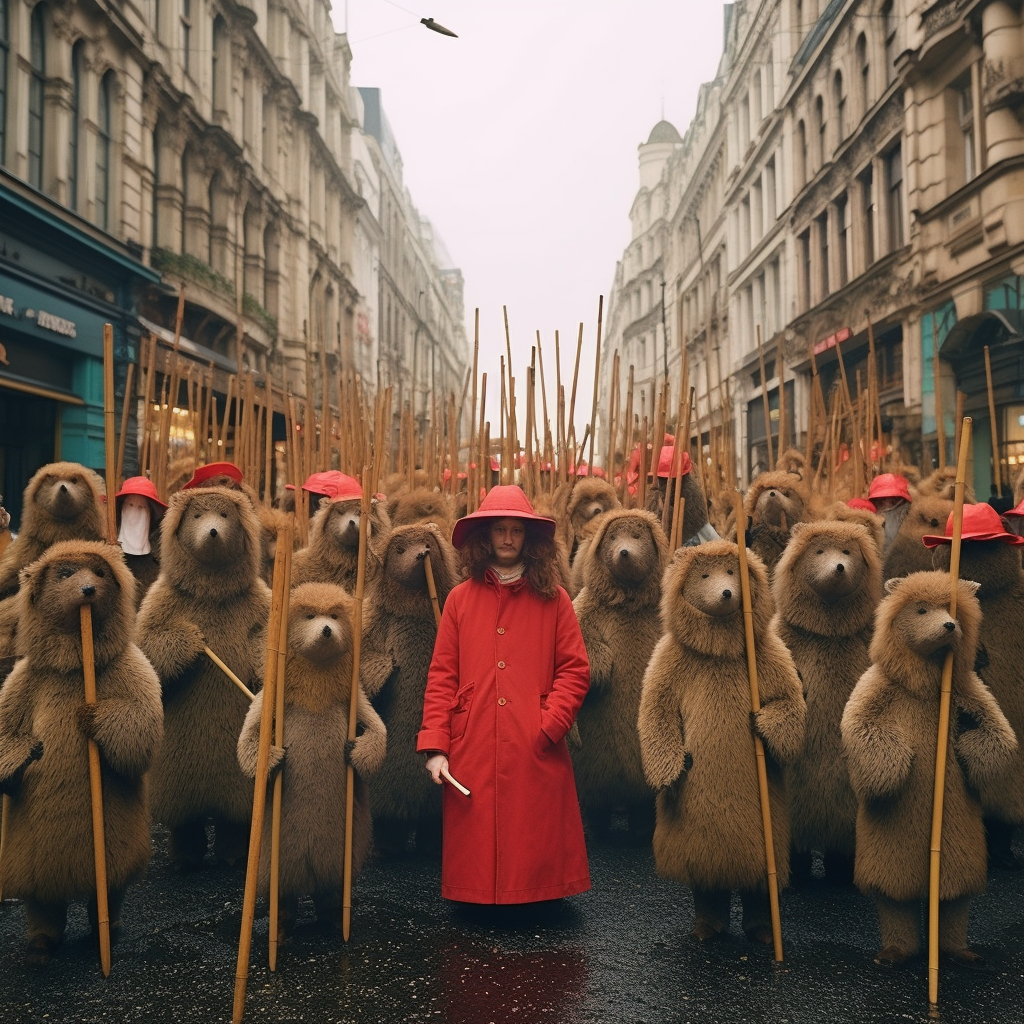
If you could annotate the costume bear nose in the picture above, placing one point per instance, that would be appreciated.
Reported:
(624, 553)
(89, 590)
(840, 567)
(326, 631)
(213, 532)
(420, 555)
(771, 494)
(727, 594)
(64, 488)
(949, 626)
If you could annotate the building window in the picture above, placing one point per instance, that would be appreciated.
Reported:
(894, 185)
(37, 81)
(840, 102)
(890, 23)
(965, 111)
(770, 199)
(801, 154)
(822, 227)
(867, 213)
(4, 49)
(757, 107)
(220, 65)
(843, 223)
(804, 243)
(103, 119)
(186, 35)
(821, 124)
(76, 116)
(865, 73)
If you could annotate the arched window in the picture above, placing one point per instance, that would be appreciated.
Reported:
(840, 104)
(890, 23)
(76, 117)
(4, 50)
(103, 120)
(37, 80)
(821, 125)
(864, 69)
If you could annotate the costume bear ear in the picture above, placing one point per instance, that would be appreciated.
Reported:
(796, 529)
(970, 586)
(30, 580)
(891, 585)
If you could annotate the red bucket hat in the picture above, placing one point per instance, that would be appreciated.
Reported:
(889, 485)
(665, 463)
(1018, 511)
(333, 484)
(863, 503)
(140, 485)
(981, 522)
(503, 502)
(204, 473)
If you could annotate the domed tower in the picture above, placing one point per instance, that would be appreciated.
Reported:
(655, 152)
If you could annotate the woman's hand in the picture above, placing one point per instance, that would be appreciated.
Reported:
(436, 764)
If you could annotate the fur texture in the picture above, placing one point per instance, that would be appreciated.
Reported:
(589, 498)
(941, 484)
(318, 681)
(398, 642)
(209, 594)
(332, 555)
(695, 705)
(695, 509)
(774, 504)
(421, 506)
(827, 585)
(48, 858)
(617, 611)
(907, 553)
(840, 512)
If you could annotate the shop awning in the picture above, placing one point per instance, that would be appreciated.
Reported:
(188, 347)
(992, 327)
(31, 387)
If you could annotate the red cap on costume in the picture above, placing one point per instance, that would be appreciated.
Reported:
(981, 522)
(504, 502)
(665, 463)
(207, 472)
(863, 503)
(334, 485)
(140, 485)
(1018, 511)
(889, 485)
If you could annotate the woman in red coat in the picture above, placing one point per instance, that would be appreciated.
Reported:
(508, 676)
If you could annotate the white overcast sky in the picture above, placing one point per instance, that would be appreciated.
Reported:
(519, 142)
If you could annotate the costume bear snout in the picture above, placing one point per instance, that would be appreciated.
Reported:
(777, 504)
(211, 530)
(834, 572)
(405, 557)
(79, 578)
(344, 524)
(629, 552)
(64, 495)
(925, 627)
(318, 636)
(714, 587)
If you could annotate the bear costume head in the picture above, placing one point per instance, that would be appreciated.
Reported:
(421, 506)
(402, 586)
(843, 512)
(777, 500)
(626, 558)
(942, 483)
(589, 498)
(54, 588)
(318, 672)
(914, 630)
(829, 579)
(210, 542)
(700, 599)
(907, 553)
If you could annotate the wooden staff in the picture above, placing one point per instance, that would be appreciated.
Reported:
(275, 809)
(959, 420)
(997, 473)
(875, 408)
(126, 407)
(571, 425)
(432, 589)
(812, 411)
(148, 394)
(783, 434)
(560, 417)
(470, 474)
(641, 494)
(624, 496)
(755, 704)
(268, 455)
(353, 702)
(227, 672)
(279, 597)
(109, 441)
(99, 841)
(767, 405)
(938, 793)
(597, 382)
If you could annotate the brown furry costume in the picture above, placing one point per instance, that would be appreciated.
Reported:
(1000, 664)
(209, 593)
(942, 483)
(398, 643)
(332, 555)
(318, 680)
(696, 743)
(840, 512)
(695, 508)
(44, 731)
(907, 552)
(589, 498)
(774, 504)
(617, 610)
(421, 506)
(889, 732)
(826, 588)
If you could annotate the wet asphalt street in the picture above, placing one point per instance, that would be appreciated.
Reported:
(620, 953)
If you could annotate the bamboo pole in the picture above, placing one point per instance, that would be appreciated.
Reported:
(126, 406)
(997, 472)
(938, 794)
(148, 394)
(783, 433)
(279, 597)
(597, 382)
(755, 704)
(109, 441)
(959, 420)
(571, 425)
(767, 404)
(279, 741)
(99, 839)
(471, 457)
(876, 404)
(227, 672)
(432, 590)
(353, 701)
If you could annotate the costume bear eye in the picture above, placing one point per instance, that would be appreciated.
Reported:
(845, 551)
(310, 616)
(922, 610)
(73, 480)
(821, 551)
(334, 615)
(401, 550)
(705, 576)
(65, 572)
(728, 572)
(935, 523)
(223, 515)
(100, 573)
(198, 515)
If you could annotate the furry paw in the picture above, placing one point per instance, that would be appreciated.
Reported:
(85, 714)
(967, 960)
(10, 785)
(966, 720)
(891, 956)
(39, 949)
(366, 754)
(755, 726)
(704, 932)
(760, 934)
(276, 761)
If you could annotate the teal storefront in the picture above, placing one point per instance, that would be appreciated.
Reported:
(60, 281)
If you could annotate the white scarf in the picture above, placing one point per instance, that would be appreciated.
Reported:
(134, 533)
(505, 577)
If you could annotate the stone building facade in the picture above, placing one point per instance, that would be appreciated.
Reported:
(854, 163)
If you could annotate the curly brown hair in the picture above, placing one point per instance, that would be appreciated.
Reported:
(540, 559)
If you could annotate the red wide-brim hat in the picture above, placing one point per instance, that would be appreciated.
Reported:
(981, 522)
(504, 502)
(666, 459)
(868, 506)
(207, 472)
(140, 485)
(889, 485)
(1018, 511)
